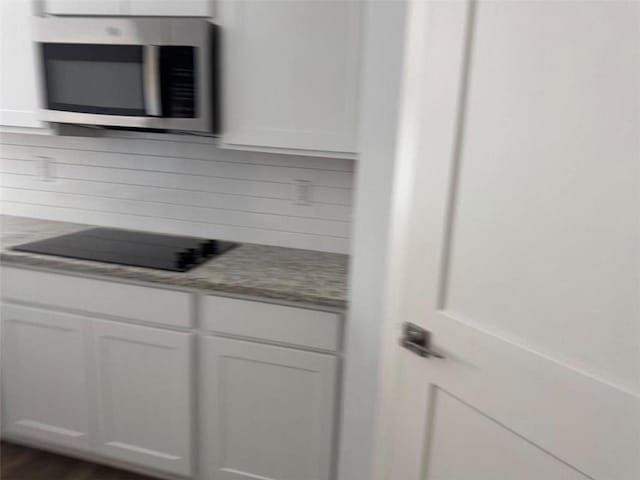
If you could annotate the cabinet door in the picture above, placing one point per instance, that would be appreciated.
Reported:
(268, 412)
(44, 382)
(171, 8)
(291, 73)
(19, 90)
(86, 7)
(144, 395)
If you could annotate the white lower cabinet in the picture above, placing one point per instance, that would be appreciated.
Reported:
(117, 390)
(44, 377)
(102, 386)
(143, 383)
(268, 411)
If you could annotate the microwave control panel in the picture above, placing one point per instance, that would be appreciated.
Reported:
(178, 80)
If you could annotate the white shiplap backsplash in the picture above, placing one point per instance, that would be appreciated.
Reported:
(180, 185)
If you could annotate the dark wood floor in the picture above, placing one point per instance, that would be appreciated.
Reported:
(22, 463)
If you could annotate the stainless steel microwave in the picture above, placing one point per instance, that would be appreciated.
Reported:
(129, 72)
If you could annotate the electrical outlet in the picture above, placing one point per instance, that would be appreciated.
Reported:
(48, 168)
(302, 192)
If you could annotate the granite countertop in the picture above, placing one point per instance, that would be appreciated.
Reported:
(277, 273)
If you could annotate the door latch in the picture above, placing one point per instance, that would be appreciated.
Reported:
(418, 340)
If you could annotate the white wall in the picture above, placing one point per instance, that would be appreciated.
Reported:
(384, 24)
(184, 185)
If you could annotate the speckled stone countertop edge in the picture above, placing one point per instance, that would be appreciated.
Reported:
(293, 276)
(204, 287)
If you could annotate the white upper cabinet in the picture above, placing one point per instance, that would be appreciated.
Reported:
(171, 8)
(290, 71)
(44, 378)
(86, 7)
(19, 92)
(143, 8)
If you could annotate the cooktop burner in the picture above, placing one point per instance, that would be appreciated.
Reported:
(138, 249)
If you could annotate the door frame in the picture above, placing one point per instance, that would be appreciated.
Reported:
(411, 146)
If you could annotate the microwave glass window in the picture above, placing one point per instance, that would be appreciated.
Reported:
(103, 79)
(104, 85)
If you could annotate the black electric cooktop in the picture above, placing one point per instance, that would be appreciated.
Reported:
(138, 249)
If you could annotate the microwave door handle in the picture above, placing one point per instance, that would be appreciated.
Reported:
(153, 106)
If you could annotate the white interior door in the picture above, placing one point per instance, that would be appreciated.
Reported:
(517, 243)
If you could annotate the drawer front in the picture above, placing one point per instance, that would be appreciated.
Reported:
(165, 307)
(274, 323)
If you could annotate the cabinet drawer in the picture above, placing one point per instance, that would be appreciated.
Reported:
(166, 307)
(276, 323)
